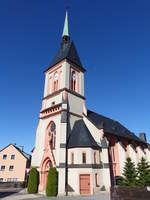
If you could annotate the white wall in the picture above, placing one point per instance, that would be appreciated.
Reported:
(95, 132)
(122, 156)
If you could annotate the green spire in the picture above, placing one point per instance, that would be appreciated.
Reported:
(65, 30)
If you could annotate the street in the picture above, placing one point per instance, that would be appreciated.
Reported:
(21, 194)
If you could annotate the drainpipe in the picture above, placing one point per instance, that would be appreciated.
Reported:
(66, 169)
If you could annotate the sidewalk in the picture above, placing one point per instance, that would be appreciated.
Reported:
(23, 195)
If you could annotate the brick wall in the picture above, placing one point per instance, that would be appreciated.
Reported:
(126, 193)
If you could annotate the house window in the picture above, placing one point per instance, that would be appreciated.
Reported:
(4, 157)
(73, 81)
(72, 158)
(95, 158)
(12, 157)
(11, 167)
(96, 180)
(2, 168)
(55, 81)
(12, 180)
(84, 158)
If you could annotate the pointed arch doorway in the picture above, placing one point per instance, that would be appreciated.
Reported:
(48, 160)
(47, 164)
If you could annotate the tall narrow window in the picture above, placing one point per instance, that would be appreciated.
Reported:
(55, 81)
(72, 158)
(84, 158)
(73, 81)
(52, 135)
(96, 180)
(95, 158)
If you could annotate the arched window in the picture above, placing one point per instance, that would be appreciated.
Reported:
(95, 161)
(52, 134)
(96, 180)
(55, 82)
(73, 80)
(72, 158)
(84, 158)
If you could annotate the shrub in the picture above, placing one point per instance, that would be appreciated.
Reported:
(52, 183)
(33, 181)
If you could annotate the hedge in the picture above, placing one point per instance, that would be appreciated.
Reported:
(33, 181)
(52, 183)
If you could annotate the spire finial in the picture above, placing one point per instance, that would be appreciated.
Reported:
(65, 35)
(66, 30)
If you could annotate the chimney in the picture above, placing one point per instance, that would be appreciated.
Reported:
(142, 136)
(21, 147)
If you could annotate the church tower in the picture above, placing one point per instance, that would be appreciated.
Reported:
(63, 104)
(88, 149)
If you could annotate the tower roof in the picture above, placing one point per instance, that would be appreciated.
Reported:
(67, 49)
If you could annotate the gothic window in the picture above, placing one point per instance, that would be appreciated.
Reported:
(55, 81)
(95, 158)
(84, 158)
(52, 135)
(96, 180)
(73, 81)
(72, 158)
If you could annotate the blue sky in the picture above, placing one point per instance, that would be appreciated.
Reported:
(113, 41)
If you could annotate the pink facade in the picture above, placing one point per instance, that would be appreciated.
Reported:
(15, 164)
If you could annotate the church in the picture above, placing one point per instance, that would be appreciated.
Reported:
(87, 149)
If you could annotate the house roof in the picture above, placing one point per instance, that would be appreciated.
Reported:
(111, 126)
(23, 153)
(26, 155)
(81, 137)
(67, 51)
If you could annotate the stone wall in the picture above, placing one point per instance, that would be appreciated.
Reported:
(126, 193)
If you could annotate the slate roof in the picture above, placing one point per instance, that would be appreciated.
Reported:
(111, 126)
(81, 137)
(67, 51)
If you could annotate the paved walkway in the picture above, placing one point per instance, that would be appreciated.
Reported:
(22, 195)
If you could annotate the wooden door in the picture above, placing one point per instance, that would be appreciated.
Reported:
(85, 184)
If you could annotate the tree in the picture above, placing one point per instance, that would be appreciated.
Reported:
(129, 177)
(33, 181)
(52, 183)
(143, 170)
